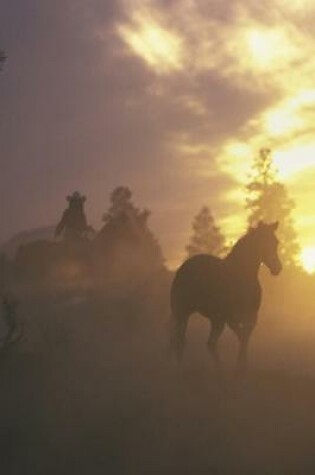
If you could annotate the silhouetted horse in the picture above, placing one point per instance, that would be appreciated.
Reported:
(226, 291)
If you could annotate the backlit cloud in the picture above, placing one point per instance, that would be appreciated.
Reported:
(160, 48)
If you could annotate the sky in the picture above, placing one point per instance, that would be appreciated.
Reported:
(171, 98)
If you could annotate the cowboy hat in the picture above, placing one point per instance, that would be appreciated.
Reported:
(76, 196)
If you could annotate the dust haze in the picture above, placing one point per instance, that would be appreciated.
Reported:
(91, 387)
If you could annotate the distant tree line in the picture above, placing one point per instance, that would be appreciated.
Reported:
(126, 247)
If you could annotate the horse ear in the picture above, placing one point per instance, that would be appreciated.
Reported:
(274, 226)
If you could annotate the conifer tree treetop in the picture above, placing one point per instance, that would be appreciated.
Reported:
(207, 237)
(268, 200)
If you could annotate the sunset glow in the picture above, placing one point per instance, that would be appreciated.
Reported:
(160, 48)
(296, 160)
(269, 48)
(308, 259)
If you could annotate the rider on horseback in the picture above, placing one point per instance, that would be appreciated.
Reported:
(73, 223)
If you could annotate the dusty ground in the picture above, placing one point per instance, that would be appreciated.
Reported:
(106, 400)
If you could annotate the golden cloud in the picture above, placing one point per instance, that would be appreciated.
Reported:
(160, 48)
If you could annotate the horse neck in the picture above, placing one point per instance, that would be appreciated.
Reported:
(244, 258)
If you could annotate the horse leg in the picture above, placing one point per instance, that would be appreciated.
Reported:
(178, 334)
(217, 327)
(243, 332)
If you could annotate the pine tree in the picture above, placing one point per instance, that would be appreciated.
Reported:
(207, 237)
(126, 227)
(268, 200)
(121, 206)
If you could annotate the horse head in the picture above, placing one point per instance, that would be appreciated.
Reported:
(268, 246)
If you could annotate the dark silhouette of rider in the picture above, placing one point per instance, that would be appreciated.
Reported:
(73, 223)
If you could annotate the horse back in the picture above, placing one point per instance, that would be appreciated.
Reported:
(207, 285)
(198, 279)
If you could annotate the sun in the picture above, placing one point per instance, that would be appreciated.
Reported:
(308, 259)
(269, 48)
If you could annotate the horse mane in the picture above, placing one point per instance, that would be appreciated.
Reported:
(243, 243)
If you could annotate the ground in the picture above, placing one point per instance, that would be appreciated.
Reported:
(105, 399)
